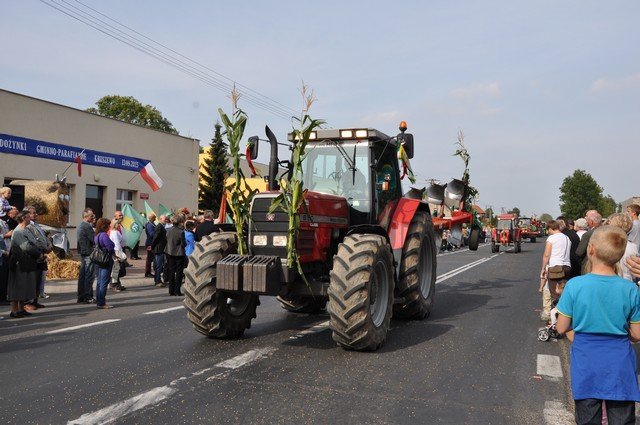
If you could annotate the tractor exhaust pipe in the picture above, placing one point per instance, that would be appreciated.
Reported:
(272, 179)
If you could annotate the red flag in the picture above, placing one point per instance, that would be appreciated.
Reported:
(78, 161)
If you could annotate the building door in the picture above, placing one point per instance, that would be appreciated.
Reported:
(93, 200)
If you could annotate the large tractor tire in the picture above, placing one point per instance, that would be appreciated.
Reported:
(474, 239)
(215, 313)
(361, 292)
(417, 284)
(305, 305)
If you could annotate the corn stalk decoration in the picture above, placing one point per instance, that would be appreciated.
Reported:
(291, 198)
(470, 192)
(239, 190)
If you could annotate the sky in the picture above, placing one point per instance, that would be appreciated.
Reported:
(539, 89)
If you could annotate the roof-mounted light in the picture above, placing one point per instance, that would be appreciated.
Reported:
(313, 135)
(360, 134)
(346, 134)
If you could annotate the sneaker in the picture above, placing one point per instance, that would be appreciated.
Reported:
(121, 288)
(104, 307)
(44, 295)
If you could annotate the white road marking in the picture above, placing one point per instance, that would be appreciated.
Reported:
(118, 410)
(246, 358)
(154, 396)
(549, 367)
(555, 413)
(86, 325)
(464, 268)
(164, 310)
(312, 330)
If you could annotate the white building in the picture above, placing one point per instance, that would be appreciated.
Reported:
(39, 139)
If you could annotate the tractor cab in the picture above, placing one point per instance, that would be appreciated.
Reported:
(360, 165)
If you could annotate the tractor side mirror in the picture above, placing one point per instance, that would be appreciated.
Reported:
(252, 144)
(407, 141)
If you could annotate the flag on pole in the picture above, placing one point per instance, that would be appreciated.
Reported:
(148, 210)
(132, 226)
(162, 210)
(78, 161)
(149, 175)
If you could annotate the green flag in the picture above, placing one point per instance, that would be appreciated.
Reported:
(132, 226)
(148, 210)
(162, 210)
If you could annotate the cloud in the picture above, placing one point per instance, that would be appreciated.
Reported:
(477, 90)
(603, 85)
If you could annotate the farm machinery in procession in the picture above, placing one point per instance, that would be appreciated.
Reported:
(366, 250)
(530, 228)
(506, 234)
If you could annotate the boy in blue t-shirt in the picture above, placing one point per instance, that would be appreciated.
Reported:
(604, 311)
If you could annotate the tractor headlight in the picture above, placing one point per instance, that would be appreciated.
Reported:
(279, 241)
(260, 240)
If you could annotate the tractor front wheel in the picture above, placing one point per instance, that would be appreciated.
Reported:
(474, 239)
(417, 283)
(212, 312)
(361, 292)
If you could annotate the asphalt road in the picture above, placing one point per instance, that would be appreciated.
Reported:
(475, 360)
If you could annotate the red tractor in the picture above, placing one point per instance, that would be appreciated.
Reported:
(506, 233)
(365, 248)
(530, 228)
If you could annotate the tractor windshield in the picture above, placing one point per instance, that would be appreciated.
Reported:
(504, 224)
(339, 168)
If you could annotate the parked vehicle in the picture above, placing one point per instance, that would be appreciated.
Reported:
(506, 234)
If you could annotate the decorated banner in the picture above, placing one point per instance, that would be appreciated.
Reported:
(29, 147)
(132, 226)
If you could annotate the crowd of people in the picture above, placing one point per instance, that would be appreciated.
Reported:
(589, 285)
(24, 246)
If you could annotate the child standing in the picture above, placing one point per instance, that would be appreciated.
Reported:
(604, 311)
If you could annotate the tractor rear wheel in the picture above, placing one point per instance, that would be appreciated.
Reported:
(212, 312)
(474, 239)
(361, 292)
(417, 284)
(307, 305)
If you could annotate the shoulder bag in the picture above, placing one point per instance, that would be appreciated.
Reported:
(100, 256)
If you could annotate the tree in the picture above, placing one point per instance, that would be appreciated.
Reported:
(129, 109)
(608, 206)
(515, 210)
(544, 217)
(579, 193)
(216, 170)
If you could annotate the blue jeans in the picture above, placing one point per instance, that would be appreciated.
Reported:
(104, 277)
(85, 279)
(158, 265)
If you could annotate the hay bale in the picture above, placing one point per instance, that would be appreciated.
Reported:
(50, 198)
(62, 269)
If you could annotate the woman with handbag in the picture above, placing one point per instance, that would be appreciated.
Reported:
(23, 267)
(556, 264)
(103, 243)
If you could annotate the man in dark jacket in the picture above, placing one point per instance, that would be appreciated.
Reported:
(207, 227)
(594, 220)
(175, 254)
(85, 234)
(149, 228)
(567, 230)
(158, 245)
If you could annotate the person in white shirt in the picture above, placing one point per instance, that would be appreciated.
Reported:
(118, 270)
(556, 256)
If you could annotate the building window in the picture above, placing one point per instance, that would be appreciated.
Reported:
(124, 197)
(94, 195)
